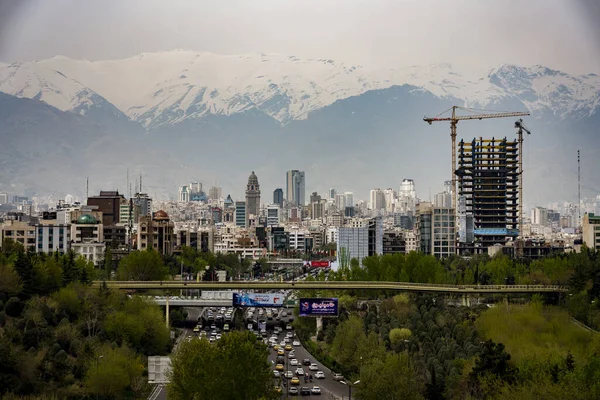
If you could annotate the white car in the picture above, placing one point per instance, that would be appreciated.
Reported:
(294, 362)
(299, 371)
(289, 374)
(292, 354)
(315, 390)
(276, 374)
(313, 367)
(295, 343)
(320, 375)
(288, 327)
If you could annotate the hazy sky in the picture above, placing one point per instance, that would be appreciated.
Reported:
(563, 34)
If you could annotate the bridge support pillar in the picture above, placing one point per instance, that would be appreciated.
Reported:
(167, 310)
(319, 324)
(466, 300)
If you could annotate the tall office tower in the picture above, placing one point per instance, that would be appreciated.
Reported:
(315, 198)
(488, 177)
(360, 242)
(443, 199)
(295, 187)
(340, 201)
(143, 202)
(273, 214)
(195, 187)
(407, 197)
(240, 213)
(215, 193)
(376, 199)
(184, 194)
(252, 197)
(448, 187)
(3, 198)
(539, 216)
(349, 199)
(389, 195)
(278, 197)
(331, 194)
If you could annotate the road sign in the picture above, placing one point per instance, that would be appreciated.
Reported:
(158, 369)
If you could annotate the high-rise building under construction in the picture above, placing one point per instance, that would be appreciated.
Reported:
(488, 183)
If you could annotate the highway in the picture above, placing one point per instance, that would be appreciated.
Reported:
(334, 285)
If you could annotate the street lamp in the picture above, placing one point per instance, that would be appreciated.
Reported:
(350, 387)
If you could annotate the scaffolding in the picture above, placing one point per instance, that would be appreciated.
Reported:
(488, 177)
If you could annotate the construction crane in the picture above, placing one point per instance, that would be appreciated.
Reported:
(521, 127)
(454, 121)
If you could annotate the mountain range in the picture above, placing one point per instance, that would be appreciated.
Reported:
(183, 115)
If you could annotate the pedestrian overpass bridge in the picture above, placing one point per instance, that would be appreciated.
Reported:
(332, 285)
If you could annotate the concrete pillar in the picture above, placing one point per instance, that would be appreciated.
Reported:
(463, 300)
(167, 310)
(468, 300)
(319, 324)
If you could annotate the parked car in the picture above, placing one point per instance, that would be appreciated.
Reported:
(337, 376)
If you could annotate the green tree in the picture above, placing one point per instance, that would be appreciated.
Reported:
(144, 265)
(236, 368)
(389, 378)
(10, 281)
(349, 338)
(398, 335)
(112, 370)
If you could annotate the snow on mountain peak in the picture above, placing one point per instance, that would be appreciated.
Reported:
(171, 86)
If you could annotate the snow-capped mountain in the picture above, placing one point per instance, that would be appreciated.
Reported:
(157, 89)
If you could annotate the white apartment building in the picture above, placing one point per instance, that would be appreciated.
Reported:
(297, 239)
(411, 241)
(331, 235)
(52, 238)
(273, 214)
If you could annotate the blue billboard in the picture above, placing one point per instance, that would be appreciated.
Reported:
(318, 307)
(258, 299)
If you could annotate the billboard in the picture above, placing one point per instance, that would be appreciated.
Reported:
(318, 307)
(320, 264)
(258, 300)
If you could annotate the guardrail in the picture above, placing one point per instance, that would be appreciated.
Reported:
(335, 285)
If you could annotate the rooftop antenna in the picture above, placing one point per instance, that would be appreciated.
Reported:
(128, 186)
(578, 189)
(140, 182)
(87, 188)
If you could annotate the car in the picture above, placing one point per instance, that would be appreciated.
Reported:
(218, 337)
(276, 374)
(299, 371)
(289, 374)
(280, 359)
(276, 346)
(305, 391)
(293, 391)
(292, 354)
(280, 352)
(295, 381)
(294, 362)
(306, 361)
(337, 376)
(196, 329)
(288, 347)
(313, 367)
(286, 340)
(282, 343)
(277, 389)
(279, 367)
(320, 375)
(289, 334)
(288, 327)
(315, 390)
(295, 343)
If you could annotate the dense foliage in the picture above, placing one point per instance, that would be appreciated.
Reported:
(60, 337)
(235, 367)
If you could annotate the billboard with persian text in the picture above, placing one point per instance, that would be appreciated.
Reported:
(318, 307)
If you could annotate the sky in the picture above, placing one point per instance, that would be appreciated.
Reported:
(561, 34)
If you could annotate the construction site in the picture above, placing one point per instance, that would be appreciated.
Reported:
(487, 184)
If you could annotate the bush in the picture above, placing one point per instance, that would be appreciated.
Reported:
(13, 307)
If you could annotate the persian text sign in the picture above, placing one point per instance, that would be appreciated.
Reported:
(318, 307)
(258, 300)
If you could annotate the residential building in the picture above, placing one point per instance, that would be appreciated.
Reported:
(273, 214)
(393, 242)
(143, 204)
(109, 204)
(19, 231)
(278, 197)
(252, 199)
(591, 231)
(295, 185)
(376, 199)
(87, 237)
(156, 232)
(52, 237)
(215, 193)
(435, 230)
(3, 198)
